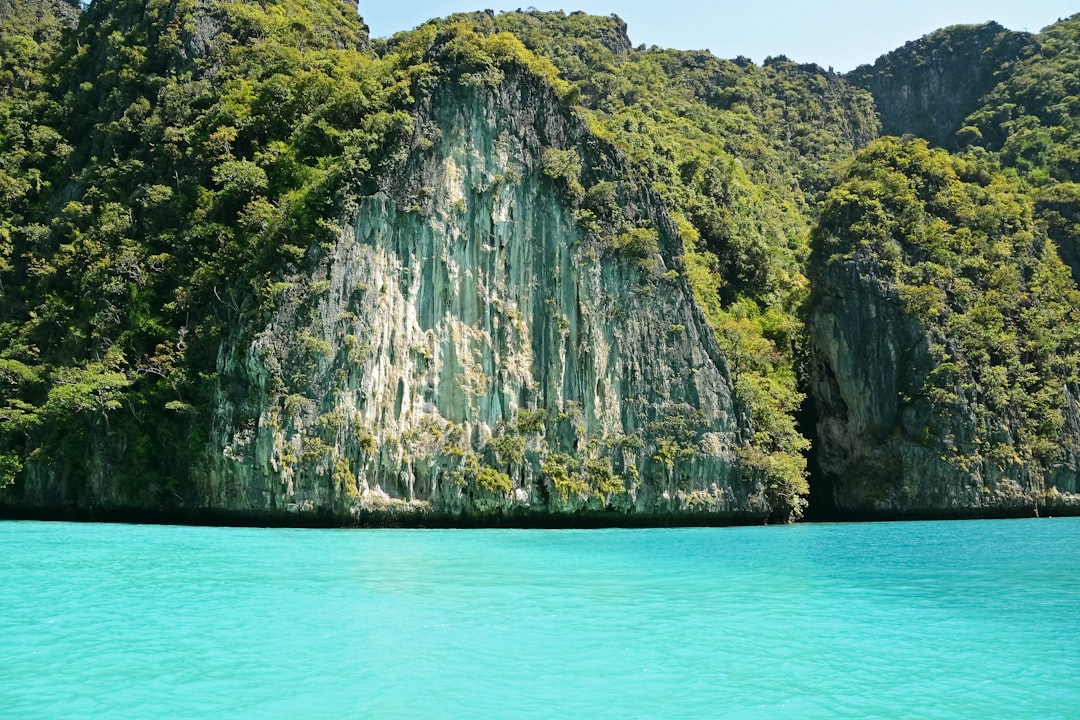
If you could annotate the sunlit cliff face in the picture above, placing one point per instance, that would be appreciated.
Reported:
(467, 347)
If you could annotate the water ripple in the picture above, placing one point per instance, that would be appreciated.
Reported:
(928, 620)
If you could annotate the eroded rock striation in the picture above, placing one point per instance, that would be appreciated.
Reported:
(466, 347)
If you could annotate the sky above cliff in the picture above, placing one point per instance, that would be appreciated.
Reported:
(837, 33)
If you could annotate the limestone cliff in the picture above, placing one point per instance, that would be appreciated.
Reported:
(509, 269)
(938, 390)
(929, 86)
(300, 277)
(467, 347)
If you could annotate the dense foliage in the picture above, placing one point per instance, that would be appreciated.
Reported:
(957, 242)
(166, 166)
(29, 35)
(1013, 94)
(1032, 117)
(1031, 120)
(190, 155)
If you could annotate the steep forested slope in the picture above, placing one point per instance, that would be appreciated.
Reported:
(949, 338)
(194, 154)
(164, 293)
(1032, 121)
(507, 266)
(29, 37)
(1013, 94)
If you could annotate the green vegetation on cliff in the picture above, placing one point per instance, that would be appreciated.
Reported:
(740, 154)
(1013, 94)
(929, 86)
(959, 258)
(1031, 120)
(198, 155)
(29, 36)
(191, 155)
(176, 177)
(1032, 117)
(955, 244)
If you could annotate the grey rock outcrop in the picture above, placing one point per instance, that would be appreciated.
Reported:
(882, 447)
(929, 86)
(467, 349)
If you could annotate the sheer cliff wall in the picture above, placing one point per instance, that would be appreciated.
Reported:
(468, 348)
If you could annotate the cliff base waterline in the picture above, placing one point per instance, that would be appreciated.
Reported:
(524, 520)
(381, 519)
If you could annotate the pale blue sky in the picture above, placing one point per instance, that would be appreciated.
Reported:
(838, 33)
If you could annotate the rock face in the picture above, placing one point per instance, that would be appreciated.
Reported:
(468, 349)
(927, 87)
(256, 275)
(876, 452)
(937, 392)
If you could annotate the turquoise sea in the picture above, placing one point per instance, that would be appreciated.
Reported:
(891, 620)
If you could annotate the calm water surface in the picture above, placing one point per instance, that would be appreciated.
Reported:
(913, 620)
